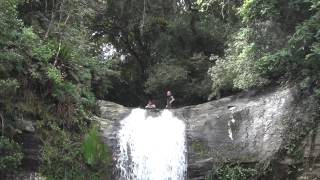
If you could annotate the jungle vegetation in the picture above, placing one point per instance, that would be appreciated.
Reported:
(57, 57)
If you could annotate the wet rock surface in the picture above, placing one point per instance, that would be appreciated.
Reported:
(248, 128)
(109, 119)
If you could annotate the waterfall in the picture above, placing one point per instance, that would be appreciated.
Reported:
(152, 148)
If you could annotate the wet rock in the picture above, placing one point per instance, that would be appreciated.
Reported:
(112, 111)
(31, 145)
(311, 156)
(245, 129)
(110, 114)
(248, 128)
(26, 125)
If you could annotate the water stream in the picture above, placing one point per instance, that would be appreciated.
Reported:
(152, 147)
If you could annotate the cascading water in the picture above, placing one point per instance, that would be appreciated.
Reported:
(152, 148)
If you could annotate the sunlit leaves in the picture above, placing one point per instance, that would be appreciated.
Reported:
(43, 53)
(54, 74)
(258, 9)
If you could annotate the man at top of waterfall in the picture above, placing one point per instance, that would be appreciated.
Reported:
(170, 99)
(150, 105)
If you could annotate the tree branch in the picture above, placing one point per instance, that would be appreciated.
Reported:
(143, 17)
(51, 20)
(60, 43)
(2, 125)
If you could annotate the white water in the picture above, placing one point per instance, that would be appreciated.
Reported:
(152, 148)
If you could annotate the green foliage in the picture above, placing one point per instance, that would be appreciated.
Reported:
(238, 69)
(64, 157)
(28, 37)
(258, 9)
(301, 53)
(168, 35)
(54, 75)
(233, 172)
(105, 75)
(166, 76)
(11, 156)
(57, 165)
(52, 66)
(8, 21)
(44, 52)
(226, 10)
(186, 80)
(94, 150)
(8, 86)
(266, 49)
(48, 65)
(317, 92)
(222, 76)
(66, 92)
(200, 149)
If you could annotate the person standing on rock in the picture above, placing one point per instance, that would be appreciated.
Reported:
(170, 100)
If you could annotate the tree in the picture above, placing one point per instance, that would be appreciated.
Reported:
(152, 34)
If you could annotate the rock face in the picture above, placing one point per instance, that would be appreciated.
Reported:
(109, 118)
(311, 150)
(249, 128)
(31, 144)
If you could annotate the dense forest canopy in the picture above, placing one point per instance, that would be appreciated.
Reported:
(56, 61)
(206, 49)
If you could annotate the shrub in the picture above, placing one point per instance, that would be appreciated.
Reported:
(10, 156)
(8, 87)
(95, 152)
(43, 52)
(65, 157)
(233, 172)
(237, 70)
(54, 74)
